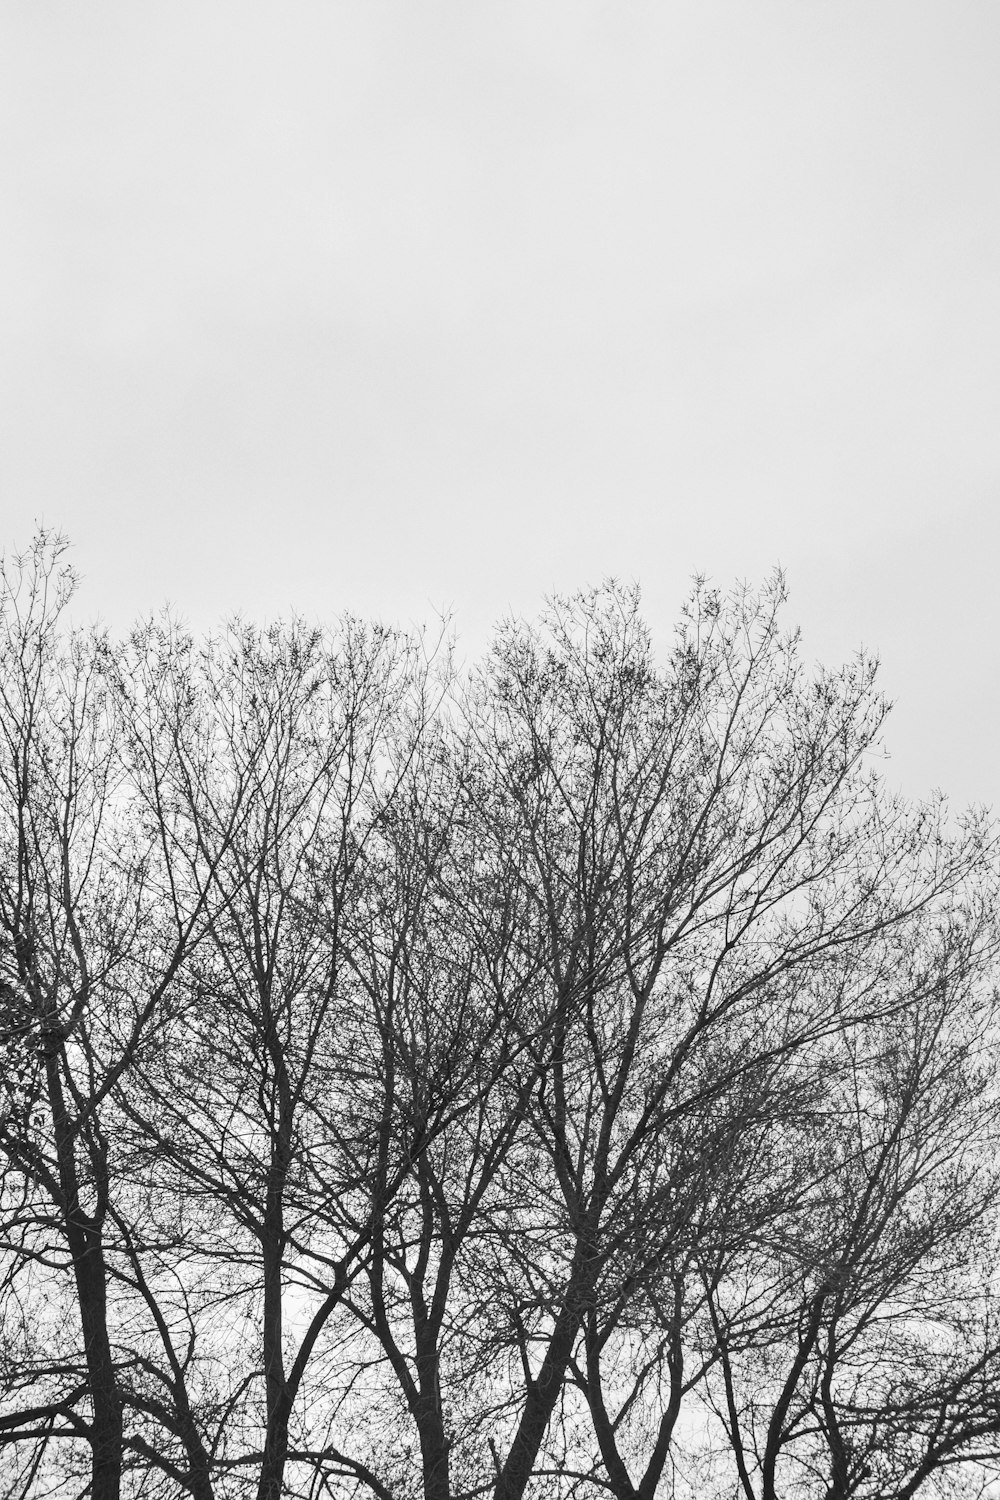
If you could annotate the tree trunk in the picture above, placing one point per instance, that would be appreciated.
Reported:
(540, 1403)
(107, 1430)
(272, 1470)
(83, 1235)
(434, 1449)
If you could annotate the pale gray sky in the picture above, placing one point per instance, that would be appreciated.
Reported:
(401, 306)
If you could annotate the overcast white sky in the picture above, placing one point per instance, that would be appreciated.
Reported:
(403, 306)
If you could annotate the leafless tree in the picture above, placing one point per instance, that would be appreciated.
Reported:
(880, 1372)
(571, 1077)
(87, 956)
(707, 842)
(268, 756)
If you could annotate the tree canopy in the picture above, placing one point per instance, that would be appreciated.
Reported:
(571, 1076)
